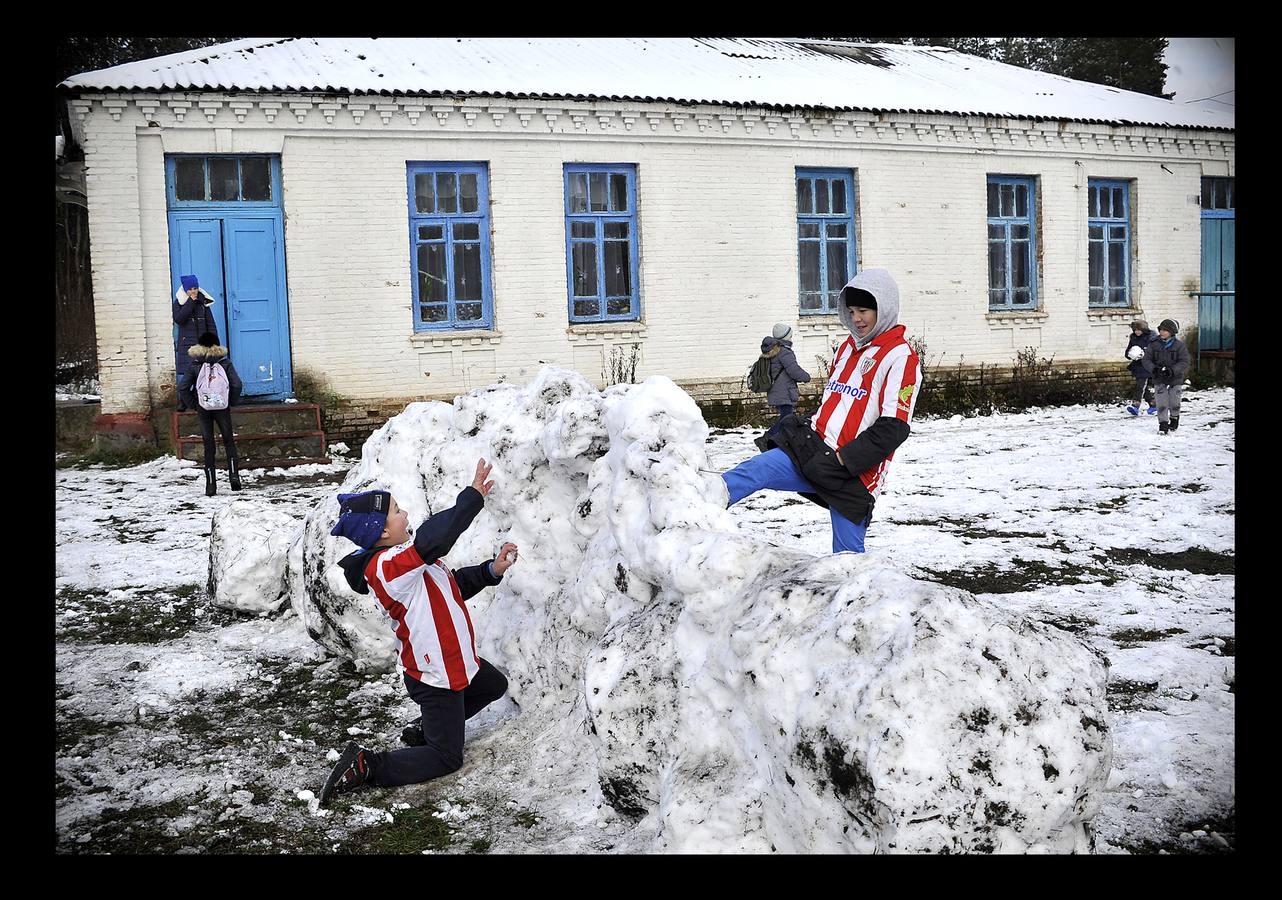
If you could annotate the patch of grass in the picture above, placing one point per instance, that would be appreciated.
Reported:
(526, 818)
(480, 845)
(73, 728)
(1192, 488)
(145, 617)
(1195, 560)
(411, 830)
(1132, 637)
(115, 459)
(1215, 824)
(1023, 575)
(1128, 696)
(1071, 623)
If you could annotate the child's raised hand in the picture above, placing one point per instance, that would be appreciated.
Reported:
(482, 473)
(505, 559)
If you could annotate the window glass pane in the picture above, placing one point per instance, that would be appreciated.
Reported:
(224, 179)
(1119, 203)
(807, 229)
(467, 231)
(1221, 194)
(587, 307)
(618, 192)
(1019, 264)
(1105, 203)
(996, 265)
(619, 306)
(839, 197)
(812, 301)
(1117, 296)
(468, 312)
(617, 230)
(431, 273)
(1117, 232)
(1093, 205)
(808, 252)
(618, 269)
(467, 272)
(993, 207)
(997, 232)
(255, 178)
(583, 229)
(836, 266)
(1116, 265)
(583, 264)
(446, 192)
(1095, 232)
(1023, 297)
(1008, 199)
(1206, 193)
(425, 192)
(596, 192)
(836, 229)
(578, 192)
(1019, 232)
(805, 197)
(1021, 200)
(436, 313)
(821, 195)
(996, 298)
(1229, 198)
(1095, 275)
(1096, 296)
(431, 233)
(467, 199)
(189, 178)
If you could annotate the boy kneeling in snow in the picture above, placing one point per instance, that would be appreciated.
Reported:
(436, 647)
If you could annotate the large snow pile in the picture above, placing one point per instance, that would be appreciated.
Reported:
(730, 694)
(247, 547)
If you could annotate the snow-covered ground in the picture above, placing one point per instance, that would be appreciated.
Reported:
(185, 729)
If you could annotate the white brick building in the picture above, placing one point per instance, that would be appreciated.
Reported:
(713, 138)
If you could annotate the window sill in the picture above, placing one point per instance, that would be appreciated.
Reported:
(1115, 312)
(819, 322)
(605, 330)
(456, 337)
(1016, 316)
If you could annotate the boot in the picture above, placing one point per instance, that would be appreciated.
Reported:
(1163, 428)
(1175, 422)
(350, 773)
(211, 484)
(233, 475)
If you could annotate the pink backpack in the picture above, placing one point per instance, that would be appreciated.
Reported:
(212, 387)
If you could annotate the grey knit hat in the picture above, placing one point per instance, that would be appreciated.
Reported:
(781, 331)
(1169, 325)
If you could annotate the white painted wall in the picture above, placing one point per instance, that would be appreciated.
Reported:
(718, 259)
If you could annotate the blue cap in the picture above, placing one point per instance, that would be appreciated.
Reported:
(362, 517)
(189, 282)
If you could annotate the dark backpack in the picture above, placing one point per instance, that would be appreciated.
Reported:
(758, 378)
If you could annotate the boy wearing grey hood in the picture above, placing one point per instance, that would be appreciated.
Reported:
(840, 456)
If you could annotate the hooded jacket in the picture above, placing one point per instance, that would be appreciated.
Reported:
(436, 643)
(785, 373)
(193, 318)
(1172, 355)
(197, 357)
(1142, 341)
(867, 403)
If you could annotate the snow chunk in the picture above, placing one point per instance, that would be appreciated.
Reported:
(729, 694)
(247, 556)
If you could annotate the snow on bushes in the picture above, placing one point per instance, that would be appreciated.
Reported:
(730, 695)
(247, 548)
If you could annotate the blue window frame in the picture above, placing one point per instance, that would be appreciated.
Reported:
(449, 218)
(1109, 242)
(1217, 198)
(1012, 242)
(825, 237)
(601, 242)
(241, 181)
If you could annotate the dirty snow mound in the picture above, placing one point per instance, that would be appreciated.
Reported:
(729, 695)
(247, 548)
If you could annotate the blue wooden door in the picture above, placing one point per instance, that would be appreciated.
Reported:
(257, 334)
(1216, 315)
(197, 249)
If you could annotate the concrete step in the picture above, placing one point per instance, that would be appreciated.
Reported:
(266, 434)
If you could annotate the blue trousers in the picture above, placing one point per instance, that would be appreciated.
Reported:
(774, 470)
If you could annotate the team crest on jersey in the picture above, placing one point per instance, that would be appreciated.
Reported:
(866, 365)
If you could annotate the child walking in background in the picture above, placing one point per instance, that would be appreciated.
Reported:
(1141, 337)
(436, 645)
(211, 387)
(1167, 361)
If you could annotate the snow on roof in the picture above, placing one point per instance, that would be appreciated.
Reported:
(725, 71)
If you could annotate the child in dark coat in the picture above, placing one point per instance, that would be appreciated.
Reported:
(436, 645)
(1167, 362)
(208, 350)
(1141, 337)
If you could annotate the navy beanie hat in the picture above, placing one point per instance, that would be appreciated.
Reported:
(362, 517)
(858, 297)
(189, 282)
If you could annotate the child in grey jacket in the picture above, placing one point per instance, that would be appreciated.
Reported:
(1167, 362)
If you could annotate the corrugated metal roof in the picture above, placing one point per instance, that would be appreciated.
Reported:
(743, 72)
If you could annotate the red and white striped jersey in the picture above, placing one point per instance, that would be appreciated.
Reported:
(880, 380)
(434, 634)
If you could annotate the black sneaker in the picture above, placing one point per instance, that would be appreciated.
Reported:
(350, 773)
(1163, 428)
(1175, 422)
(412, 735)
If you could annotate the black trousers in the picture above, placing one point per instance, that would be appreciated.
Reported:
(207, 420)
(444, 712)
(1143, 390)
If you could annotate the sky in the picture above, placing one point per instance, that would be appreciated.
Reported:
(1200, 68)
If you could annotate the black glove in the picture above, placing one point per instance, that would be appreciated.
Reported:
(1164, 371)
